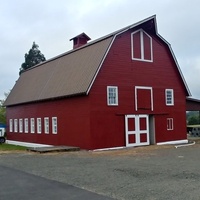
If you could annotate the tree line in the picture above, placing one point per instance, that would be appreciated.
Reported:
(32, 58)
(193, 117)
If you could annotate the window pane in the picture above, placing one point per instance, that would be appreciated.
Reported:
(112, 95)
(16, 125)
(46, 125)
(39, 126)
(26, 125)
(20, 125)
(169, 97)
(11, 125)
(32, 125)
(54, 125)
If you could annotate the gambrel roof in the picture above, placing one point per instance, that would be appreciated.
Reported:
(71, 73)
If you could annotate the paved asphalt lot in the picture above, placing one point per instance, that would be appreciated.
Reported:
(16, 184)
(147, 173)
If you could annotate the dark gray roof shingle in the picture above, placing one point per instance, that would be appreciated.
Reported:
(69, 74)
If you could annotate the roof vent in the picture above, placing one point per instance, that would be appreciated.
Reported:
(80, 40)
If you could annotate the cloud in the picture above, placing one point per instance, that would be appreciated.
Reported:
(52, 23)
(192, 72)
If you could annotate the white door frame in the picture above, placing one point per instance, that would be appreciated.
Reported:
(136, 96)
(137, 130)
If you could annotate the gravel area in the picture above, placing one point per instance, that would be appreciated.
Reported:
(147, 173)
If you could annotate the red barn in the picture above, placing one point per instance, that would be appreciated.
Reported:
(124, 89)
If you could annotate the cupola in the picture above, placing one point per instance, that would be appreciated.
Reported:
(80, 40)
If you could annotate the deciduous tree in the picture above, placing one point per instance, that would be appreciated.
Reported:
(3, 110)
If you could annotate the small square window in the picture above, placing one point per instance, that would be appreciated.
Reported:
(169, 97)
(170, 124)
(112, 95)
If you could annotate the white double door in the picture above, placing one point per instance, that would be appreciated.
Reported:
(137, 130)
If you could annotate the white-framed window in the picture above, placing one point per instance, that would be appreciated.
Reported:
(112, 95)
(46, 125)
(26, 125)
(15, 125)
(141, 46)
(39, 125)
(170, 124)
(20, 125)
(11, 125)
(54, 125)
(32, 125)
(169, 97)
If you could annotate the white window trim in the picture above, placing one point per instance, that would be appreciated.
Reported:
(15, 125)
(172, 97)
(136, 98)
(39, 125)
(170, 124)
(46, 126)
(108, 102)
(26, 125)
(20, 125)
(142, 46)
(11, 125)
(32, 125)
(54, 125)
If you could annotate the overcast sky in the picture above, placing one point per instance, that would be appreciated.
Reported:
(51, 23)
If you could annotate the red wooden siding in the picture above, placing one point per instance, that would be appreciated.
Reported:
(121, 71)
(143, 99)
(147, 47)
(88, 122)
(137, 45)
(72, 118)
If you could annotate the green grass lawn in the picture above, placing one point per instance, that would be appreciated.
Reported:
(10, 147)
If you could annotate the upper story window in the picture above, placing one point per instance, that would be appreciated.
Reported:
(169, 97)
(112, 95)
(141, 46)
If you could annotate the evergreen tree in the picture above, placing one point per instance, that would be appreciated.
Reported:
(32, 58)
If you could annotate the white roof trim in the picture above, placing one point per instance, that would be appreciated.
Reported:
(116, 33)
(175, 60)
(94, 78)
